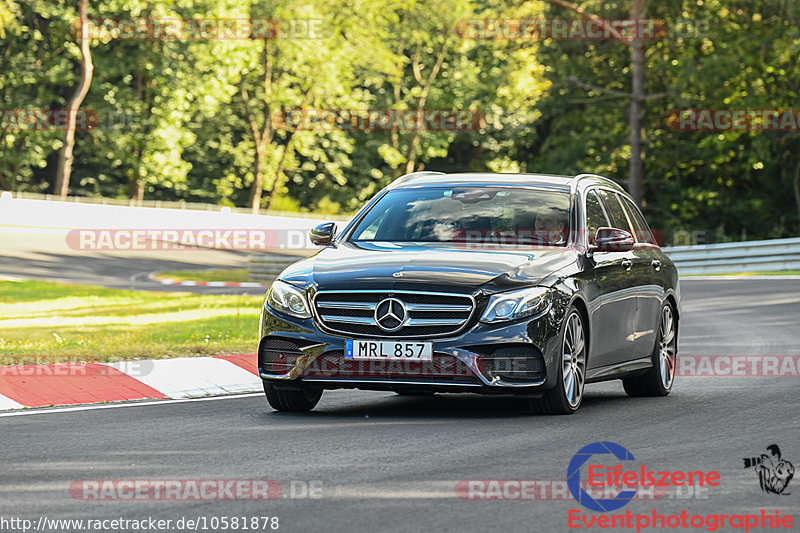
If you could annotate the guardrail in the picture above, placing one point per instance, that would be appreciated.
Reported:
(167, 204)
(264, 268)
(748, 256)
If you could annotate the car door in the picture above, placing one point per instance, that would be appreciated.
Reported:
(648, 272)
(612, 304)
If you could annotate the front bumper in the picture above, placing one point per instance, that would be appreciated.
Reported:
(294, 353)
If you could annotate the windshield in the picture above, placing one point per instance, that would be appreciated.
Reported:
(486, 215)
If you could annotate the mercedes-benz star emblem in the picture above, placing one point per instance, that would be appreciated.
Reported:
(391, 314)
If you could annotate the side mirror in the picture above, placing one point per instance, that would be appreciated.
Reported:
(323, 234)
(612, 240)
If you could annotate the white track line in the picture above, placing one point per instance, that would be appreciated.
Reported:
(152, 276)
(53, 410)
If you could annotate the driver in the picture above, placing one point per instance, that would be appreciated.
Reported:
(550, 225)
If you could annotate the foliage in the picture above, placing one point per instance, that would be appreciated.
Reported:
(178, 116)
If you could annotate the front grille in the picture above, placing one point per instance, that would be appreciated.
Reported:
(442, 368)
(427, 314)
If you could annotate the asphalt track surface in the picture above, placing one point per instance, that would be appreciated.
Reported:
(390, 463)
(35, 243)
(45, 256)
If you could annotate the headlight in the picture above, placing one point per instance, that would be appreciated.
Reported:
(288, 300)
(517, 304)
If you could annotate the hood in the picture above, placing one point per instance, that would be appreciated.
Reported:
(415, 266)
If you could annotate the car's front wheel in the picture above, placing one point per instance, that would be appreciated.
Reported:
(566, 396)
(292, 400)
(659, 379)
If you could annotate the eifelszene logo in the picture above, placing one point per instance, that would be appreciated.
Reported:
(604, 465)
(610, 479)
(774, 472)
(574, 476)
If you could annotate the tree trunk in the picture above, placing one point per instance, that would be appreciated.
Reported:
(258, 183)
(64, 168)
(136, 180)
(262, 139)
(136, 189)
(636, 166)
(277, 181)
(636, 112)
(413, 149)
(288, 150)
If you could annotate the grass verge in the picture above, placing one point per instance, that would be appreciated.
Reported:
(42, 322)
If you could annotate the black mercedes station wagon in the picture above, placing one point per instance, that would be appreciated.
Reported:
(515, 284)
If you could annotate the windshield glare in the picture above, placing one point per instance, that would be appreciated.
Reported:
(516, 216)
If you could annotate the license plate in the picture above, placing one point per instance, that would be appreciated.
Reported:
(404, 350)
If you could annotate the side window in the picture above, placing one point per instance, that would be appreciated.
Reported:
(595, 216)
(643, 233)
(370, 231)
(614, 210)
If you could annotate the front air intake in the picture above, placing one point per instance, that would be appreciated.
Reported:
(277, 356)
(515, 363)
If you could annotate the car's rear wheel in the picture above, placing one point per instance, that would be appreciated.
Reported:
(659, 379)
(566, 396)
(291, 400)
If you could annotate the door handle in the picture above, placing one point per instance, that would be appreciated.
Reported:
(627, 264)
(656, 265)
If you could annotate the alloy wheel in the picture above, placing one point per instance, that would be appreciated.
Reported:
(574, 359)
(666, 347)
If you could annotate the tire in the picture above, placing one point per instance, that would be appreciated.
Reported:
(566, 397)
(292, 400)
(659, 379)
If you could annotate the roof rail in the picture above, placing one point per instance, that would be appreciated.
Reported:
(596, 176)
(412, 175)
